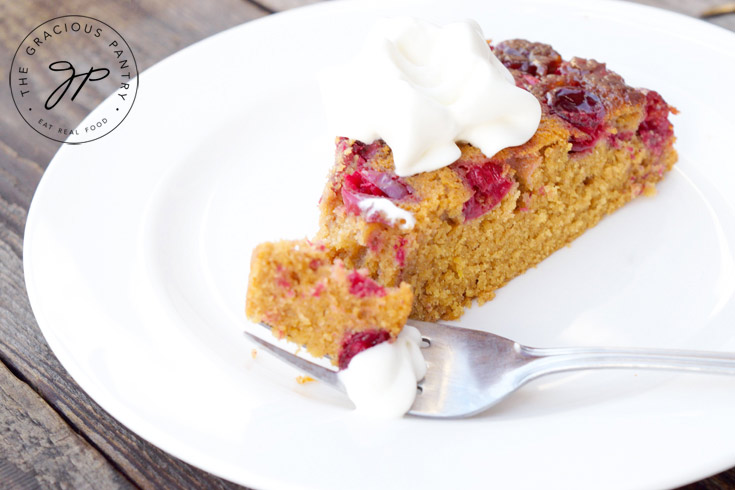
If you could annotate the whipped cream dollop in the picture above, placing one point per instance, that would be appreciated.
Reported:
(381, 381)
(421, 88)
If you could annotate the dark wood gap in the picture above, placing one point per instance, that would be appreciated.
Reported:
(23, 379)
(261, 6)
(21, 479)
(189, 476)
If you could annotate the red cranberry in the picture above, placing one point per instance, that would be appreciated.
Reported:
(534, 59)
(355, 188)
(352, 200)
(318, 289)
(283, 280)
(655, 129)
(362, 286)
(618, 139)
(576, 105)
(656, 106)
(355, 342)
(400, 249)
(364, 151)
(488, 183)
(390, 184)
(357, 183)
(583, 110)
(365, 183)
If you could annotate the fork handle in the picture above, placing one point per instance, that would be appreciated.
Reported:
(551, 360)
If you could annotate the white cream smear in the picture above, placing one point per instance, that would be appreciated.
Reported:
(389, 211)
(381, 381)
(421, 88)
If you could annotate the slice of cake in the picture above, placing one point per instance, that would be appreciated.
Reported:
(306, 295)
(472, 168)
(458, 233)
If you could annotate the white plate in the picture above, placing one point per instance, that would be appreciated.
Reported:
(137, 248)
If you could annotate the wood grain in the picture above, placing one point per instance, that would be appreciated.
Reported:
(51, 433)
(694, 9)
(92, 449)
(38, 445)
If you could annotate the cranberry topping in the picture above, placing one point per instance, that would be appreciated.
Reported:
(391, 185)
(365, 183)
(655, 129)
(535, 59)
(581, 71)
(362, 286)
(489, 185)
(583, 110)
(355, 188)
(355, 342)
(618, 139)
(355, 155)
(656, 108)
(364, 151)
(583, 92)
(530, 79)
(352, 200)
(358, 183)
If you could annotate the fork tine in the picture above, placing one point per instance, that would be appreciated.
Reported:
(319, 372)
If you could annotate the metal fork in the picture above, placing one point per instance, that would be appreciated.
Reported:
(469, 371)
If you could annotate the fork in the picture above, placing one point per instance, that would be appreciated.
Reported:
(469, 371)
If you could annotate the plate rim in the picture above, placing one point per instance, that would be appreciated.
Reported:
(161, 440)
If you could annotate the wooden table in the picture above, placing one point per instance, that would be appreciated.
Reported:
(51, 433)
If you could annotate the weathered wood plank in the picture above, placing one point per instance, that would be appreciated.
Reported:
(689, 7)
(722, 481)
(154, 30)
(694, 9)
(281, 5)
(39, 449)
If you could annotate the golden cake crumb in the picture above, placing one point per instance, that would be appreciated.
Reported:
(311, 298)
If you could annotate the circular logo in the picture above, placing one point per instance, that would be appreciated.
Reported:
(65, 68)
